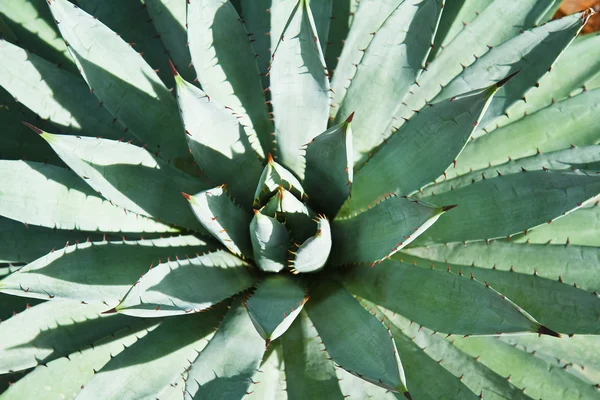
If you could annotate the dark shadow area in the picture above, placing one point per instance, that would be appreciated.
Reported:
(338, 32)
(11, 305)
(172, 335)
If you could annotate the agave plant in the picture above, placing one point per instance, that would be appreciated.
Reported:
(292, 219)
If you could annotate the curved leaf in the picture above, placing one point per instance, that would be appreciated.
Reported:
(270, 242)
(299, 88)
(312, 255)
(355, 340)
(392, 62)
(439, 300)
(310, 374)
(123, 81)
(429, 143)
(224, 219)
(298, 218)
(226, 374)
(182, 287)
(218, 142)
(330, 168)
(54, 197)
(150, 365)
(275, 305)
(375, 234)
(52, 330)
(272, 177)
(130, 177)
(509, 204)
(97, 271)
(226, 65)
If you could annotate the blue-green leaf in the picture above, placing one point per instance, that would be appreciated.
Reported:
(270, 241)
(185, 286)
(273, 176)
(357, 341)
(312, 255)
(218, 374)
(299, 88)
(275, 305)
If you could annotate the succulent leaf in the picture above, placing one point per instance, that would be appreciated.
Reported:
(187, 286)
(330, 168)
(370, 15)
(169, 18)
(380, 231)
(470, 372)
(421, 143)
(533, 52)
(269, 380)
(509, 204)
(298, 218)
(130, 177)
(445, 302)
(217, 373)
(21, 243)
(54, 94)
(123, 81)
(480, 37)
(392, 62)
(275, 305)
(556, 127)
(169, 348)
(270, 242)
(312, 255)
(227, 158)
(299, 88)
(274, 176)
(62, 377)
(575, 265)
(356, 341)
(540, 378)
(310, 374)
(224, 219)
(55, 329)
(227, 69)
(53, 197)
(554, 304)
(71, 273)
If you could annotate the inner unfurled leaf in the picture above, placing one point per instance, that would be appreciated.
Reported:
(270, 241)
(312, 255)
(275, 305)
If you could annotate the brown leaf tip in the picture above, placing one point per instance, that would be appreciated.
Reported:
(547, 331)
(508, 78)
(407, 395)
(33, 128)
(187, 196)
(173, 70)
(350, 118)
(270, 158)
(448, 208)
(111, 311)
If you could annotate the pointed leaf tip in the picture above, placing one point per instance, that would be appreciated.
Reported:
(349, 119)
(407, 395)
(111, 311)
(508, 78)
(33, 128)
(173, 70)
(448, 208)
(187, 196)
(270, 158)
(547, 331)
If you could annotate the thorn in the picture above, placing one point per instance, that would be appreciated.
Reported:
(33, 128)
(187, 196)
(111, 311)
(173, 70)
(546, 331)
(508, 78)
(448, 208)
(349, 119)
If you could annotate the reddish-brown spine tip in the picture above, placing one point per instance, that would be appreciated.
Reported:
(256, 211)
(33, 128)
(508, 78)
(448, 208)
(270, 158)
(111, 311)
(547, 331)
(349, 119)
(173, 70)
(187, 196)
